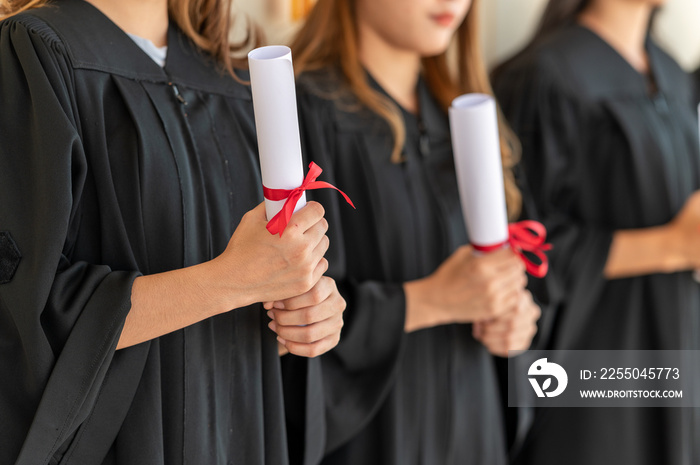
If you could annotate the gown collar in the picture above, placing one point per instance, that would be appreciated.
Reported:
(114, 52)
(600, 70)
(430, 114)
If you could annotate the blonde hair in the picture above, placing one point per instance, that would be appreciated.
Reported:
(330, 33)
(206, 22)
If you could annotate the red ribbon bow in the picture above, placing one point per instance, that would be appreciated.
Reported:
(279, 222)
(526, 236)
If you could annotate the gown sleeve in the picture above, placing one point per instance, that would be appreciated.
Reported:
(696, 88)
(60, 320)
(546, 291)
(554, 129)
(359, 373)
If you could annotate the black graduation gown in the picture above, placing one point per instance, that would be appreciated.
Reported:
(429, 397)
(602, 154)
(111, 167)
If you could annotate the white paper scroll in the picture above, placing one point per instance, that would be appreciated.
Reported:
(276, 120)
(477, 152)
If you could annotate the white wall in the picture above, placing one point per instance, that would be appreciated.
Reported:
(273, 15)
(508, 24)
(678, 30)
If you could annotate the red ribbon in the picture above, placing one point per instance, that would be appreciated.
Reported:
(525, 236)
(279, 222)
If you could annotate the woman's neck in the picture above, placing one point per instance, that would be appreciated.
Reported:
(143, 18)
(396, 70)
(624, 26)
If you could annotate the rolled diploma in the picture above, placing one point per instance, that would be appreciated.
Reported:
(477, 152)
(276, 121)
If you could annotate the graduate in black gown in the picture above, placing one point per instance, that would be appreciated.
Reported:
(412, 381)
(125, 245)
(610, 150)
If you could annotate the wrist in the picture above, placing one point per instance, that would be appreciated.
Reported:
(673, 243)
(218, 286)
(421, 309)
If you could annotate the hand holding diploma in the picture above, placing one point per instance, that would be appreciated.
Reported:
(308, 321)
(483, 283)
(268, 268)
(512, 331)
(309, 324)
(476, 145)
(467, 287)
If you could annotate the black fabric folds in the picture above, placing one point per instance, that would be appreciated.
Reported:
(429, 397)
(602, 153)
(105, 175)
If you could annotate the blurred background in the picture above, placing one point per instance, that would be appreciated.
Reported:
(508, 25)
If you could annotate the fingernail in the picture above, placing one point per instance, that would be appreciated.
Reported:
(279, 305)
(281, 341)
(271, 315)
(272, 326)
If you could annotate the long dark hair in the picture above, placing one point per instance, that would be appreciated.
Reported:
(557, 15)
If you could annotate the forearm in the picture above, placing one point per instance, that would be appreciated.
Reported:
(255, 267)
(637, 252)
(165, 302)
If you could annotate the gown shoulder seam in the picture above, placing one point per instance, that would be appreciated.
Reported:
(35, 25)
